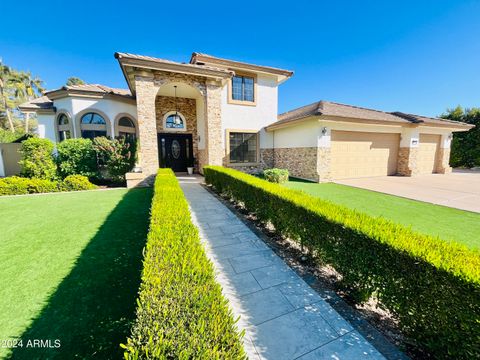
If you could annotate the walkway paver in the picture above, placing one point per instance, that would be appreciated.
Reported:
(282, 316)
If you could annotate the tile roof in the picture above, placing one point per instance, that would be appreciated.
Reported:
(120, 55)
(198, 57)
(41, 103)
(93, 88)
(328, 108)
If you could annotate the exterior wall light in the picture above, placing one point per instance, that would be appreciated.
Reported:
(324, 130)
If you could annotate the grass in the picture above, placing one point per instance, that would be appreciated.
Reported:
(71, 266)
(447, 223)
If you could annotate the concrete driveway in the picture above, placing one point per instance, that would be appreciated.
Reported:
(460, 190)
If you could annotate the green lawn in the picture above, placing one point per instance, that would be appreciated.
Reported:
(70, 270)
(447, 223)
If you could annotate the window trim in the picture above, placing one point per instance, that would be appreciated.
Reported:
(117, 126)
(57, 127)
(227, 147)
(164, 122)
(230, 99)
(78, 120)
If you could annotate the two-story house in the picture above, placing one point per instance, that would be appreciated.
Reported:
(222, 112)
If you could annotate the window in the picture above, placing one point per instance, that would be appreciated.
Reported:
(63, 128)
(93, 125)
(243, 88)
(174, 121)
(126, 128)
(243, 147)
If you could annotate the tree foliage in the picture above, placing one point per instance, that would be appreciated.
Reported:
(16, 87)
(37, 159)
(74, 81)
(465, 149)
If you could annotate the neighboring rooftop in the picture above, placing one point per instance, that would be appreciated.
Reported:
(336, 110)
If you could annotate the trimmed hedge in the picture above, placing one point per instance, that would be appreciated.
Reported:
(15, 185)
(181, 313)
(430, 285)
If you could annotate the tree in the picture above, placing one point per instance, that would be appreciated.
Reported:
(74, 81)
(5, 75)
(27, 88)
(465, 148)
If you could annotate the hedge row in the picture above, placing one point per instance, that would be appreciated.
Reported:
(181, 312)
(430, 285)
(15, 185)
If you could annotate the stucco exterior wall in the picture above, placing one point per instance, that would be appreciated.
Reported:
(252, 117)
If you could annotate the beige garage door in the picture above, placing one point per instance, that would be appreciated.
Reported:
(427, 153)
(363, 154)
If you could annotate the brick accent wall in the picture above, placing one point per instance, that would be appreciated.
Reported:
(213, 124)
(443, 161)
(324, 157)
(300, 162)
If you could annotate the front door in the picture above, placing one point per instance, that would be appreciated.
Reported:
(175, 151)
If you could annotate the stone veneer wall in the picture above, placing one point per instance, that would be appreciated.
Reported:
(407, 161)
(442, 165)
(213, 124)
(300, 162)
(324, 161)
(187, 107)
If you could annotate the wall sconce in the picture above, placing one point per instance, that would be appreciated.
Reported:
(450, 136)
(324, 130)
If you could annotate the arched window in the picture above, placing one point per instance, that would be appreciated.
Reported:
(63, 128)
(93, 125)
(175, 121)
(126, 128)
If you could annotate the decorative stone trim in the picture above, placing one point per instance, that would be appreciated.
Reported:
(442, 165)
(324, 157)
(407, 161)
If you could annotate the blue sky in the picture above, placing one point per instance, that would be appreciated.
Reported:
(412, 56)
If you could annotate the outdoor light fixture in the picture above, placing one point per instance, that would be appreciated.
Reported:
(324, 130)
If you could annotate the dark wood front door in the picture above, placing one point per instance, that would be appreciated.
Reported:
(175, 151)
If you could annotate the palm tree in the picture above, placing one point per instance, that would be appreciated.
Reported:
(27, 88)
(5, 76)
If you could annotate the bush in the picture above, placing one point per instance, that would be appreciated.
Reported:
(76, 157)
(276, 175)
(116, 156)
(431, 286)
(37, 159)
(181, 312)
(15, 185)
(76, 183)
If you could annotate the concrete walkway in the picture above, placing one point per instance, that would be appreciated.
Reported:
(282, 316)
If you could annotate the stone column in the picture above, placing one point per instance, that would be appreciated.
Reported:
(146, 92)
(324, 154)
(442, 165)
(408, 151)
(213, 124)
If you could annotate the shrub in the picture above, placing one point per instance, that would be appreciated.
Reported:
(76, 183)
(276, 175)
(116, 156)
(15, 185)
(37, 159)
(181, 312)
(431, 286)
(76, 157)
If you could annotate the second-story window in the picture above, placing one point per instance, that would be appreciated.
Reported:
(243, 88)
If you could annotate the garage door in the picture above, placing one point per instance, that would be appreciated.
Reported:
(427, 153)
(363, 154)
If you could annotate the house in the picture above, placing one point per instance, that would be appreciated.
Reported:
(214, 111)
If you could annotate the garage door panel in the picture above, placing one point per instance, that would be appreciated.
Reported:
(363, 154)
(427, 153)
